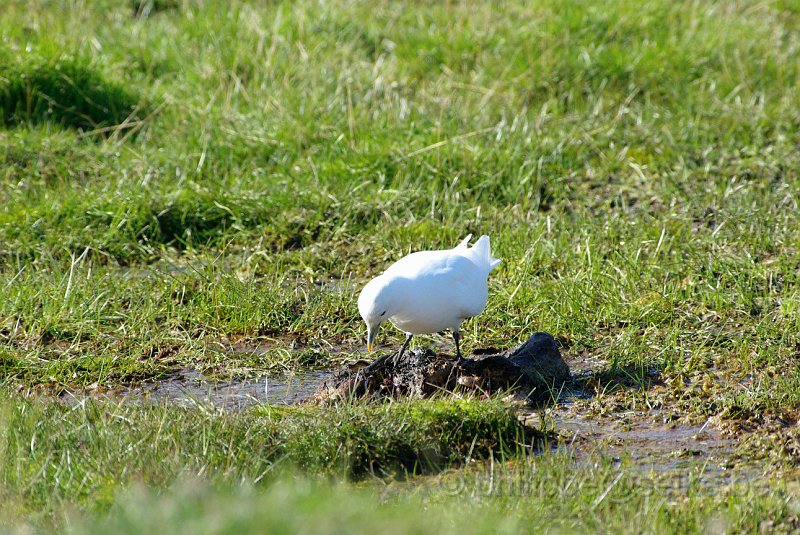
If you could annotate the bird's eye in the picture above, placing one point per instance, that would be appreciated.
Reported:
(383, 313)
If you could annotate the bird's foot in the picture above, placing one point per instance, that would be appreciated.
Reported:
(380, 362)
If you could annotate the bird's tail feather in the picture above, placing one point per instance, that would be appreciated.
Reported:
(481, 252)
(464, 242)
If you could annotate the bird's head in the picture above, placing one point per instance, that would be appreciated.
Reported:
(376, 304)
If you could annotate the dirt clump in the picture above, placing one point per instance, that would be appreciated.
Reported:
(535, 371)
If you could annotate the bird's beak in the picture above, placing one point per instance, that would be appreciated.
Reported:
(371, 339)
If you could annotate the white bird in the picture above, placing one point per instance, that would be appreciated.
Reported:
(429, 291)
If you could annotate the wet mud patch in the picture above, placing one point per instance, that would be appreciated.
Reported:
(191, 388)
(286, 354)
(675, 456)
(624, 416)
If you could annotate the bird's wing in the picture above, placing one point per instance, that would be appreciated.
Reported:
(455, 274)
(443, 287)
(419, 264)
(469, 283)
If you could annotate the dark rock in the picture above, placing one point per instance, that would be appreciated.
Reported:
(541, 362)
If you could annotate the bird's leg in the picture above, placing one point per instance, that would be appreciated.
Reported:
(399, 356)
(457, 338)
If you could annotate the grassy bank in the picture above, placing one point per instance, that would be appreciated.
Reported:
(55, 456)
(100, 467)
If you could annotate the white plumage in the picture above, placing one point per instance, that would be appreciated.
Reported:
(429, 291)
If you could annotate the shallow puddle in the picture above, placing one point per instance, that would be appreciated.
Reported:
(191, 388)
(675, 455)
(682, 456)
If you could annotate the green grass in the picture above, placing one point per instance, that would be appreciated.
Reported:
(66, 92)
(52, 453)
(96, 467)
(601, 504)
(179, 177)
(312, 506)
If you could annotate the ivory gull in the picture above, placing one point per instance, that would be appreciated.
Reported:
(429, 291)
